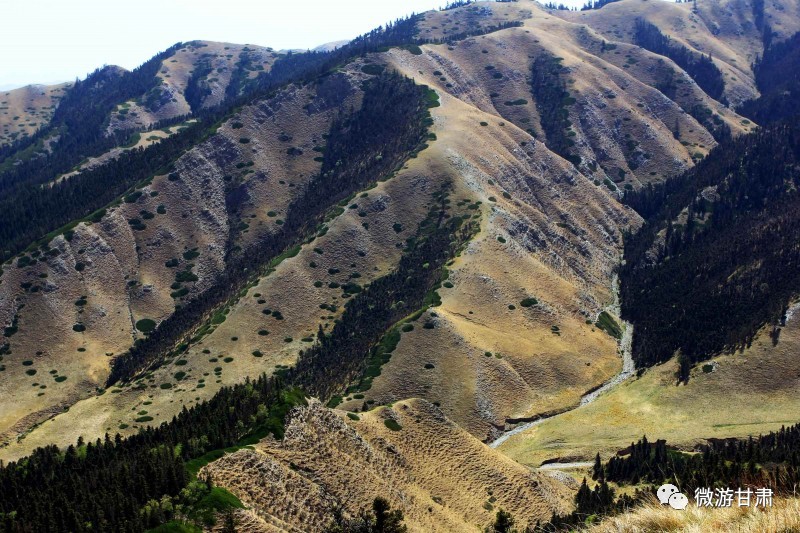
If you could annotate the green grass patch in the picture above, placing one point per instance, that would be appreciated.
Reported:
(609, 325)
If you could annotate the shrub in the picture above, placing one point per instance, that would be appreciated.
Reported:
(179, 375)
(244, 140)
(146, 325)
(429, 366)
(191, 254)
(227, 359)
(372, 69)
(166, 386)
(407, 327)
(146, 418)
(263, 332)
(257, 353)
(353, 416)
(60, 379)
(392, 424)
(79, 328)
(185, 276)
(31, 371)
(529, 302)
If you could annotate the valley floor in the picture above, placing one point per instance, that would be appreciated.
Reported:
(748, 393)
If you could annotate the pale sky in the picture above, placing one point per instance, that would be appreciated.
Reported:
(47, 41)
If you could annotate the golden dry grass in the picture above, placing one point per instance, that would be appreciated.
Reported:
(24, 110)
(441, 477)
(174, 77)
(782, 517)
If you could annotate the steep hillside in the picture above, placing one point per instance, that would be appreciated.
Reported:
(198, 75)
(24, 110)
(526, 291)
(141, 258)
(472, 225)
(329, 460)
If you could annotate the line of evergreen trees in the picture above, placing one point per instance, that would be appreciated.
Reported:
(777, 75)
(29, 211)
(340, 357)
(688, 283)
(719, 255)
(700, 67)
(80, 122)
(551, 96)
(769, 461)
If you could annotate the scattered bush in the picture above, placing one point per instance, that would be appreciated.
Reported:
(392, 424)
(146, 325)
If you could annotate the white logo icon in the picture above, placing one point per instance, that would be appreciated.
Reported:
(665, 491)
(669, 494)
(678, 501)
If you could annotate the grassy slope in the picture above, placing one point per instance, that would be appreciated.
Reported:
(328, 457)
(783, 516)
(748, 394)
(24, 110)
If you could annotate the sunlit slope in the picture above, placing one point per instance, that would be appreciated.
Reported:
(442, 478)
(24, 110)
(550, 229)
(214, 65)
(74, 302)
(621, 127)
(722, 28)
(549, 234)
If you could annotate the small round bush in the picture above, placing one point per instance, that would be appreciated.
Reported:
(392, 424)
(146, 325)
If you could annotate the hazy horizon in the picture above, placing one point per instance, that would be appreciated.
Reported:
(50, 42)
